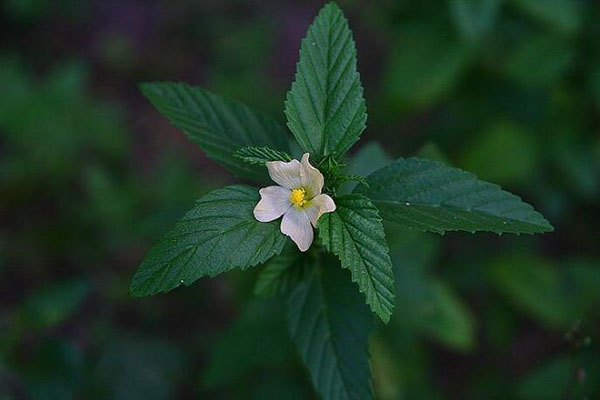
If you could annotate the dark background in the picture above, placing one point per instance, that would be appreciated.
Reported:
(91, 176)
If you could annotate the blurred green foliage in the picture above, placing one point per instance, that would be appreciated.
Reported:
(507, 89)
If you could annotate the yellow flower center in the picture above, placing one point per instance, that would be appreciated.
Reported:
(298, 197)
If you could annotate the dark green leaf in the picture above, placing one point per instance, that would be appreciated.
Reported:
(549, 381)
(281, 273)
(539, 60)
(355, 233)
(445, 317)
(474, 18)
(257, 339)
(219, 125)
(535, 286)
(424, 66)
(343, 178)
(136, 367)
(368, 159)
(486, 156)
(564, 15)
(54, 304)
(260, 155)
(330, 324)
(429, 196)
(325, 108)
(219, 234)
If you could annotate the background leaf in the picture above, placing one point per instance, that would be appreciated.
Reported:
(563, 15)
(281, 273)
(551, 294)
(219, 125)
(200, 243)
(330, 324)
(539, 59)
(474, 18)
(428, 304)
(355, 233)
(260, 155)
(428, 196)
(325, 108)
(486, 154)
(258, 339)
(424, 66)
(53, 304)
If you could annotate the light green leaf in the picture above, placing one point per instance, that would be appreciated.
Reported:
(325, 108)
(260, 155)
(281, 273)
(201, 243)
(330, 325)
(354, 232)
(219, 125)
(429, 196)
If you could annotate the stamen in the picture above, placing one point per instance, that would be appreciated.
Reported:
(298, 197)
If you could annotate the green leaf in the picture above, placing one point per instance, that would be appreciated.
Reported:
(486, 156)
(135, 367)
(474, 18)
(429, 305)
(325, 108)
(539, 60)
(563, 15)
(535, 286)
(424, 66)
(219, 125)
(219, 234)
(256, 340)
(429, 196)
(281, 273)
(445, 317)
(548, 381)
(354, 233)
(368, 159)
(343, 178)
(54, 304)
(260, 155)
(330, 325)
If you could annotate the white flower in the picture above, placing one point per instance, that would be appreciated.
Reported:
(298, 198)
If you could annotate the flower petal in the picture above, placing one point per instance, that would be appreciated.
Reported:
(286, 174)
(318, 206)
(311, 178)
(296, 225)
(274, 202)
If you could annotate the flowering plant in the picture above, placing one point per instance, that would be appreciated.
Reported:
(238, 226)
